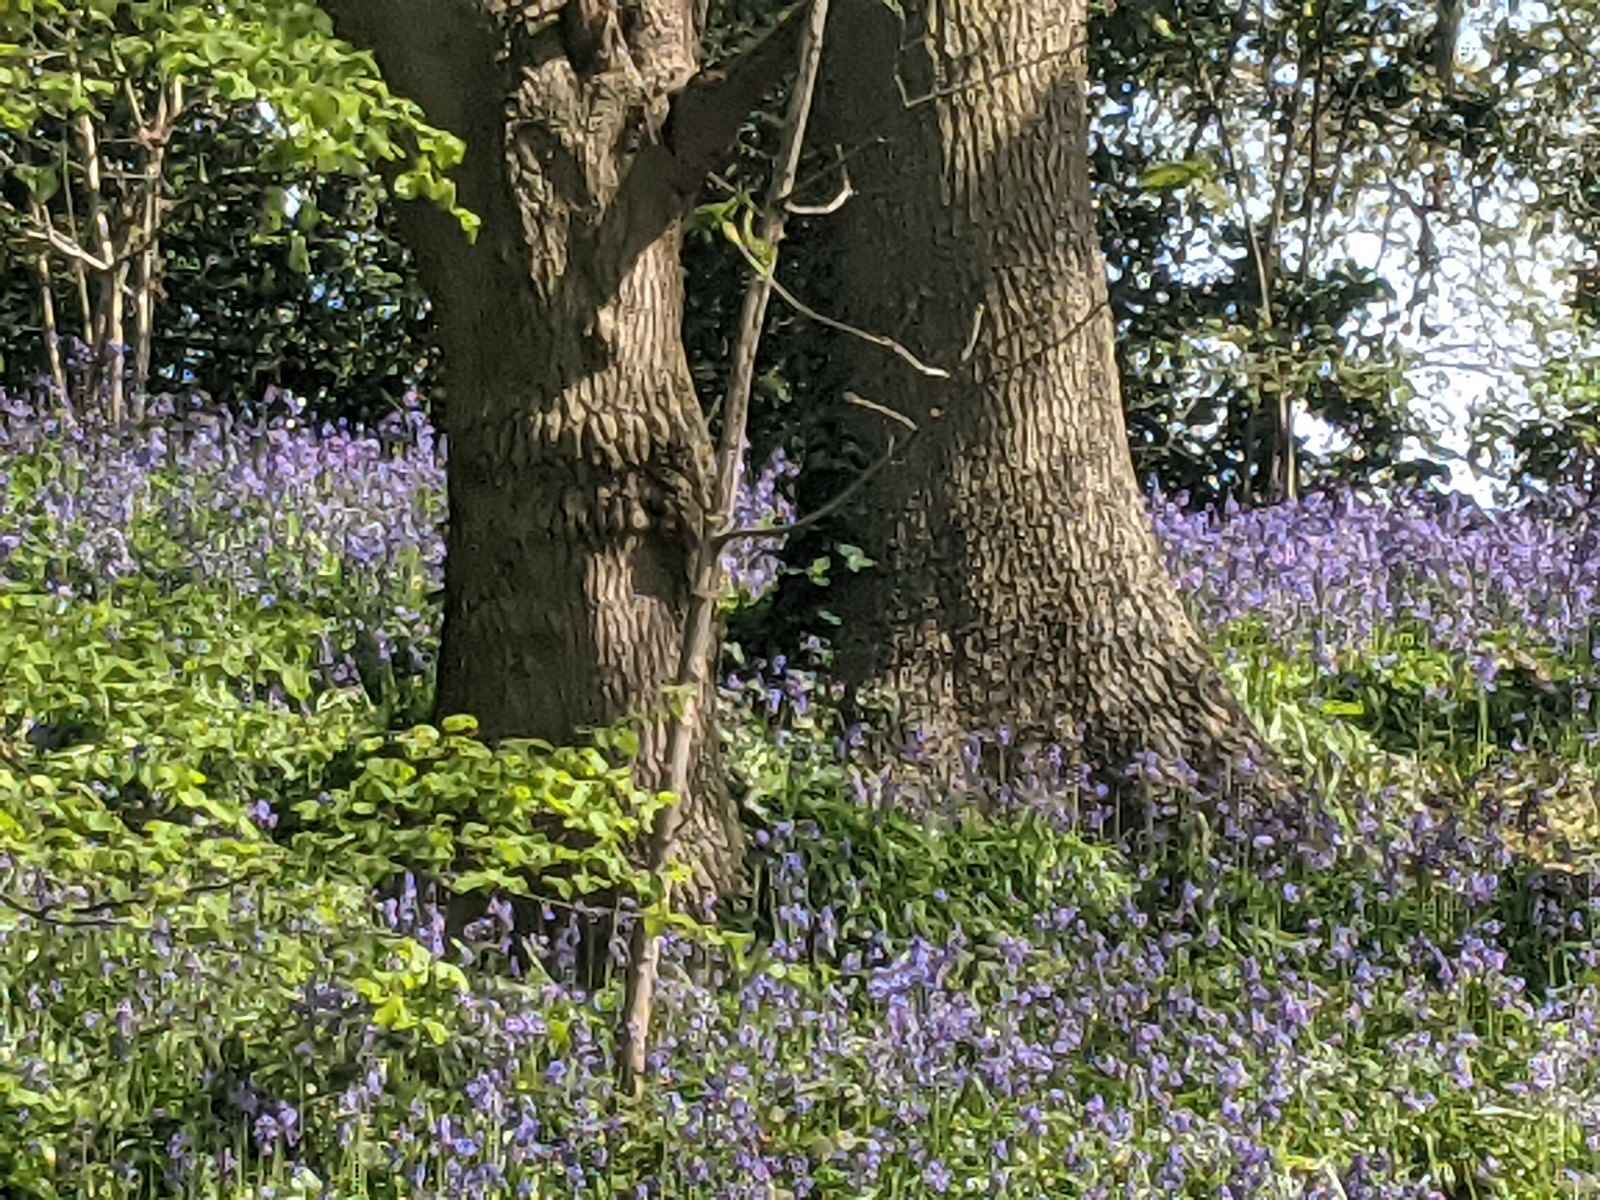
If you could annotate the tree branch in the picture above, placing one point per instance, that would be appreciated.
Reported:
(822, 210)
(837, 502)
(805, 310)
(707, 114)
(88, 915)
(984, 81)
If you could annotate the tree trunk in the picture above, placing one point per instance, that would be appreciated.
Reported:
(1018, 579)
(106, 338)
(580, 463)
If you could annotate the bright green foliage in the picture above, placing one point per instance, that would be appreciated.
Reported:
(285, 986)
(524, 818)
(337, 112)
(1404, 695)
(156, 724)
(203, 995)
(915, 875)
(154, 721)
(191, 822)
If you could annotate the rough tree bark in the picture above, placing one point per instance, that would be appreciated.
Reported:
(1018, 579)
(579, 460)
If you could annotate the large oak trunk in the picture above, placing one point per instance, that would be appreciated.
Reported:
(579, 459)
(1018, 579)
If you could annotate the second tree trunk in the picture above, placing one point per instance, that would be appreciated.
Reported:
(1018, 581)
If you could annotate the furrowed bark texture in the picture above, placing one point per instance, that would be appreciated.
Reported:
(1018, 578)
(579, 460)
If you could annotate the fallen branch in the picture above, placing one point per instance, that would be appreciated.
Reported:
(86, 915)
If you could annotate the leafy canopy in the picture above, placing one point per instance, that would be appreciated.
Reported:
(61, 58)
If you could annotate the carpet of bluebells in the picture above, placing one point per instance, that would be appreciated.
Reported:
(214, 632)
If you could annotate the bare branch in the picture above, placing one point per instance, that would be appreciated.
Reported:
(971, 347)
(827, 510)
(47, 315)
(89, 915)
(855, 331)
(987, 80)
(841, 159)
(845, 495)
(47, 236)
(822, 210)
(889, 414)
(728, 99)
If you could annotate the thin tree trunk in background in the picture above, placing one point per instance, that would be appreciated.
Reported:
(47, 317)
(1261, 459)
(107, 326)
(148, 264)
(144, 285)
(1018, 581)
(113, 339)
(1286, 480)
(80, 273)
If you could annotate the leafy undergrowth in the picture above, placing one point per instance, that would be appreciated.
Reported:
(224, 972)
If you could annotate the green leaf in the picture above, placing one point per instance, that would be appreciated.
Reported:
(297, 683)
(42, 182)
(234, 86)
(1170, 176)
(436, 1031)
(393, 1014)
(299, 254)
(323, 107)
(855, 559)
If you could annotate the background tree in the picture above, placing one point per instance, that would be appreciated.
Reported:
(1548, 134)
(269, 278)
(1018, 580)
(109, 112)
(286, 279)
(1307, 207)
